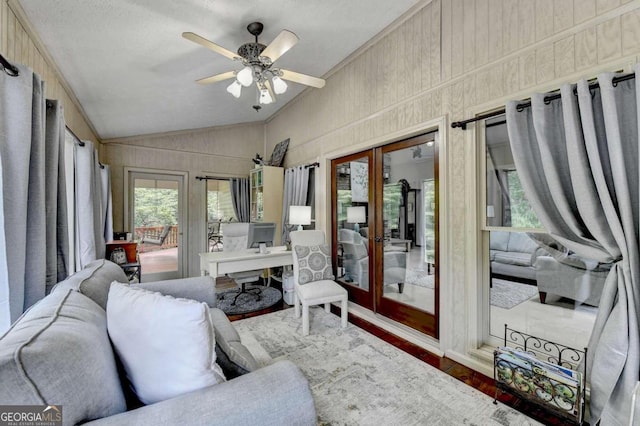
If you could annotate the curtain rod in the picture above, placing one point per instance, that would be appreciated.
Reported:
(9, 69)
(78, 141)
(527, 103)
(308, 166)
(212, 178)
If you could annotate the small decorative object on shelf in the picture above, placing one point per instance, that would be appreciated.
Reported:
(542, 372)
(125, 254)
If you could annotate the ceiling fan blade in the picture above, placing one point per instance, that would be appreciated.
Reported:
(209, 45)
(308, 80)
(267, 84)
(218, 77)
(280, 45)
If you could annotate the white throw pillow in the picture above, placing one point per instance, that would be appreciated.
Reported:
(167, 345)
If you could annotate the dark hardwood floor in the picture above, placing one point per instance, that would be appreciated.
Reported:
(466, 375)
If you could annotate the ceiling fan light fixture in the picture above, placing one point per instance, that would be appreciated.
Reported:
(279, 86)
(257, 60)
(265, 97)
(245, 76)
(235, 88)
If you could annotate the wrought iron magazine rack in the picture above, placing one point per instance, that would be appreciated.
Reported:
(546, 373)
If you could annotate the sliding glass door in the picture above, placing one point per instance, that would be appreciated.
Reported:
(385, 230)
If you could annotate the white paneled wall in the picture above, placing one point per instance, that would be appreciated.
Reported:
(454, 59)
(221, 151)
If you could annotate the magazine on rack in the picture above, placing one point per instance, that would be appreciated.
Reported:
(549, 382)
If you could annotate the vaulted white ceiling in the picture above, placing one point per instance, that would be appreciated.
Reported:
(134, 74)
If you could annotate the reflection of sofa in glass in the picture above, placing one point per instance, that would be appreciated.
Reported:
(573, 277)
(554, 269)
(513, 255)
(356, 261)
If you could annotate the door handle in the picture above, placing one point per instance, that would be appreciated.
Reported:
(378, 239)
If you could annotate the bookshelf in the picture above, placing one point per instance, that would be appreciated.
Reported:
(267, 184)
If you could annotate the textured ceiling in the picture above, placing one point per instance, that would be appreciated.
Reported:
(134, 74)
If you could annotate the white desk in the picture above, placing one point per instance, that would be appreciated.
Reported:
(226, 262)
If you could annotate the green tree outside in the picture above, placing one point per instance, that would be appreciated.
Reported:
(155, 207)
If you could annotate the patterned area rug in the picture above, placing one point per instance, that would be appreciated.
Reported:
(507, 294)
(246, 303)
(358, 379)
(420, 278)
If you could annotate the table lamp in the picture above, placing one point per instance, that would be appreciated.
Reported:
(356, 215)
(299, 215)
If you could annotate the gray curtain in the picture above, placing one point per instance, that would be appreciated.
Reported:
(106, 207)
(296, 186)
(33, 256)
(90, 212)
(577, 158)
(57, 242)
(240, 198)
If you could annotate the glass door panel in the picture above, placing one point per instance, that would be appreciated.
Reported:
(351, 194)
(406, 248)
(156, 205)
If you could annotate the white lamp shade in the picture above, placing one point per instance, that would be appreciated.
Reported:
(279, 86)
(245, 76)
(235, 88)
(356, 214)
(299, 215)
(265, 97)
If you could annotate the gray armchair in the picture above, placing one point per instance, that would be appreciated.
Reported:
(574, 278)
(356, 261)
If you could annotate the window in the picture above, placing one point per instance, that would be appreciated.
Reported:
(536, 285)
(219, 205)
(506, 204)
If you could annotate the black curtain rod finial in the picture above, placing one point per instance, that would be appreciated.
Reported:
(9, 69)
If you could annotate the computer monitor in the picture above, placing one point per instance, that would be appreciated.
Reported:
(261, 233)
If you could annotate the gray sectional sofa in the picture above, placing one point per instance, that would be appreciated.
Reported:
(59, 353)
(513, 256)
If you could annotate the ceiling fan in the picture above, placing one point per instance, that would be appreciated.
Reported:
(258, 62)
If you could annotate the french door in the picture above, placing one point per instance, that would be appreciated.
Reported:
(156, 212)
(385, 242)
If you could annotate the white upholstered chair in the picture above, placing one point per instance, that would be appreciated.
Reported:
(316, 292)
(236, 239)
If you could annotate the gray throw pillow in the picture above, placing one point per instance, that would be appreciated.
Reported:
(58, 352)
(314, 263)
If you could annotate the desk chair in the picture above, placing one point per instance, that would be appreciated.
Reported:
(316, 292)
(214, 235)
(236, 239)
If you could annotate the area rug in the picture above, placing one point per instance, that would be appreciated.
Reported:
(358, 379)
(420, 278)
(507, 294)
(247, 302)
